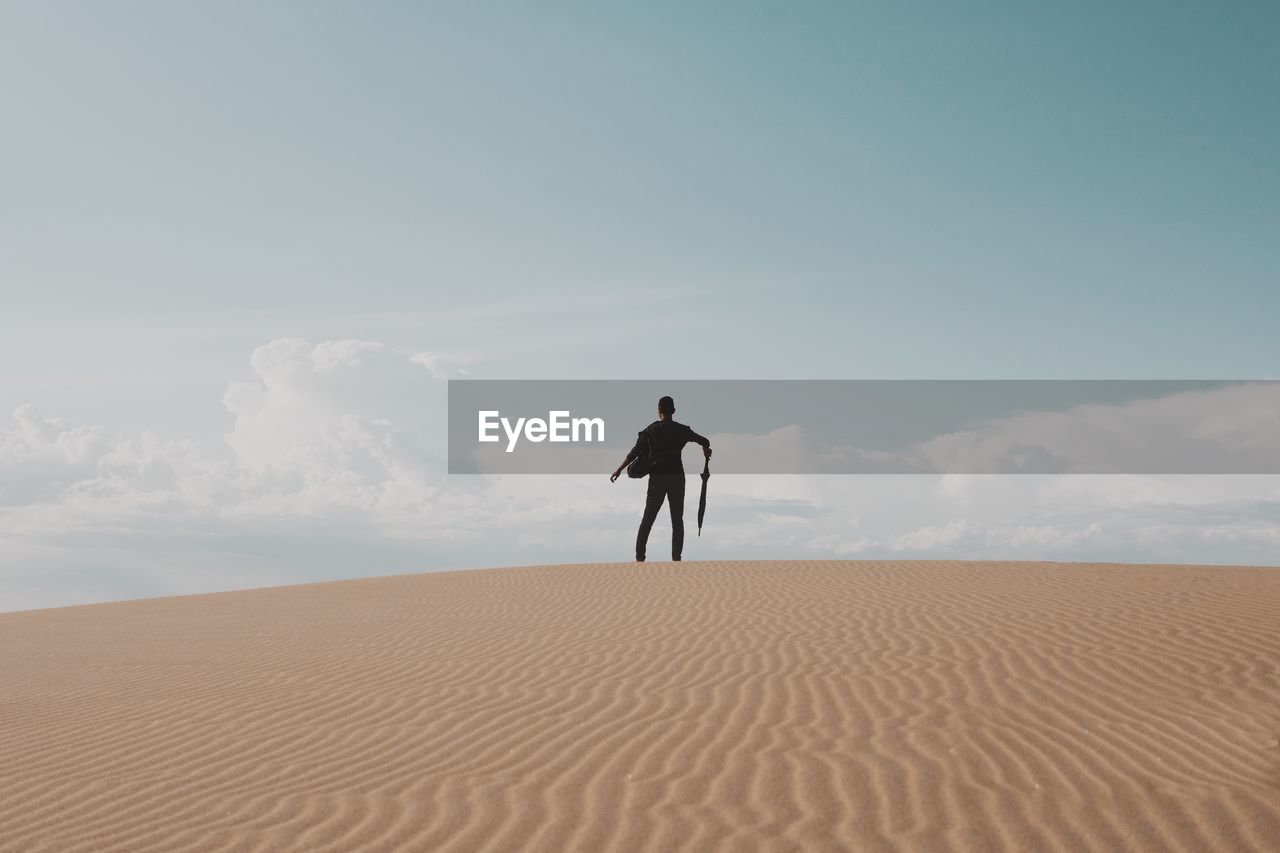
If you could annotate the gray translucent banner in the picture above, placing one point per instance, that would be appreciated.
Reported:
(875, 426)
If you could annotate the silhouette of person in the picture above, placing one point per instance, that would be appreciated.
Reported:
(664, 439)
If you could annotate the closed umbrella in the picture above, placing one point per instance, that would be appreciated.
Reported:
(702, 499)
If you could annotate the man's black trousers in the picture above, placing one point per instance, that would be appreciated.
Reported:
(670, 487)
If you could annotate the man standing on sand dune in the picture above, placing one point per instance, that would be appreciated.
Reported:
(663, 439)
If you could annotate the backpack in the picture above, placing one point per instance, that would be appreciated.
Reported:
(639, 467)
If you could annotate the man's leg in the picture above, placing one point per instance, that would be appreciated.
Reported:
(652, 503)
(675, 502)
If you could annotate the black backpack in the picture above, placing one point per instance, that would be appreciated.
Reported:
(639, 467)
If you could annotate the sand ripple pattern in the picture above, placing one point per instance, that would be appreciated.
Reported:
(747, 705)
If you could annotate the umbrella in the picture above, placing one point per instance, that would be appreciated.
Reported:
(702, 500)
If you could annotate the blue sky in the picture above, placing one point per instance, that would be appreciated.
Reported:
(723, 190)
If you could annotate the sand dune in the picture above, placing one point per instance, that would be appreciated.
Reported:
(700, 706)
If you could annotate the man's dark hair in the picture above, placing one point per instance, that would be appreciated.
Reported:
(666, 405)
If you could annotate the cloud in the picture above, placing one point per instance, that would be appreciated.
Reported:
(1225, 429)
(341, 429)
(347, 430)
(932, 537)
(39, 456)
(332, 465)
(1229, 429)
(792, 449)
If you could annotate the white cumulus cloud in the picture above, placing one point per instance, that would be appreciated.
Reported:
(333, 465)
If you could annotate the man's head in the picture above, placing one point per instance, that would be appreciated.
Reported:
(666, 408)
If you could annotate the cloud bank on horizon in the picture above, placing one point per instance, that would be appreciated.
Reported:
(333, 465)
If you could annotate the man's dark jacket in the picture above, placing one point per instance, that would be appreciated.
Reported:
(667, 438)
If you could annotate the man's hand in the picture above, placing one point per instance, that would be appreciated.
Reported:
(706, 451)
(614, 475)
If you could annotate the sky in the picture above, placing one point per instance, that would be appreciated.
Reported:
(242, 247)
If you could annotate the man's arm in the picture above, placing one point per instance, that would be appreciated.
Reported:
(631, 454)
(705, 442)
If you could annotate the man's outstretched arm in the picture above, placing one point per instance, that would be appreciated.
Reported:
(631, 454)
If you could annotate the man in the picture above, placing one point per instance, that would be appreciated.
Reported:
(664, 438)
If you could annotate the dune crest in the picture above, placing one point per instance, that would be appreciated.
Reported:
(807, 705)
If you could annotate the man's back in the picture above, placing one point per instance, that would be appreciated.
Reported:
(668, 438)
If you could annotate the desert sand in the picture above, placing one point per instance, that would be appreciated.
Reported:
(755, 705)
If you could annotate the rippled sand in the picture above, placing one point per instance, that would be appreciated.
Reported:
(806, 705)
